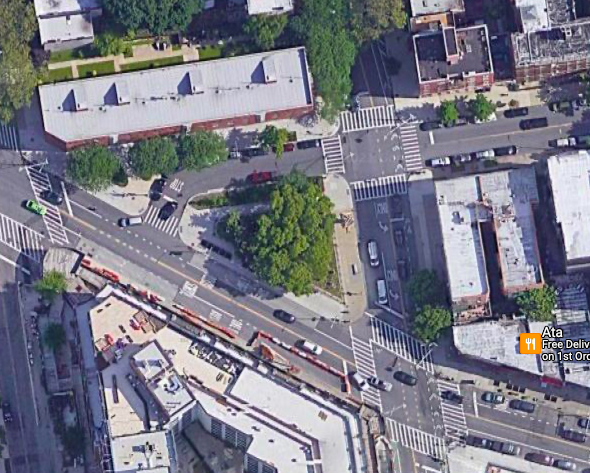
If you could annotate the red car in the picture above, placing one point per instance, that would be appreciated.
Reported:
(261, 177)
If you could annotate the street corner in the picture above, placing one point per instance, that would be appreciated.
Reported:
(133, 199)
(337, 189)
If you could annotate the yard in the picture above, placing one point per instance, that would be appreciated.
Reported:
(96, 69)
(60, 75)
(210, 52)
(151, 64)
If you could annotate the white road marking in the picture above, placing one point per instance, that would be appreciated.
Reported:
(66, 198)
(15, 265)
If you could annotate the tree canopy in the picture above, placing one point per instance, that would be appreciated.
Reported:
(265, 29)
(18, 77)
(429, 322)
(52, 284)
(153, 156)
(201, 150)
(275, 138)
(92, 168)
(54, 336)
(481, 107)
(322, 25)
(537, 304)
(158, 16)
(448, 112)
(372, 18)
(425, 288)
(109, 44)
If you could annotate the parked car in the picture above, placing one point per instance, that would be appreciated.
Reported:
(253, 152)
(573, 436)
(505, 150)
(533, 123)
(52, 197)
(235, 154)
(461, 158)
(284, 316)
(523, 406)
(563, 106)
(492, 118)
(6, 412)
(583, 141)
(359, 381)
(582, 102)
(452, 396)
(439, 162)
(156, 189)
(479, 442)
(516, 112)
(486, 154)
(429, 126)
(260, 177)
(540, 458)
(309, 144)
(399, 237)
(310, 347)
(584, 423)
(373, 252)
(379, 384)
(564, 142)
(130, 221)
(506, 448)
(382, 292)
(167, 211)
(564, 465)
(35, 207)
(405, 378)
(493, 398)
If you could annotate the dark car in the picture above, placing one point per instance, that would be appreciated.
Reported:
(584, 422)
(505, 150)
(492, 398)
(506, 448)
(523, 406)
(405, 378)
(563, 106)
(167, 211)
(539, 458)
(573, 436)
(516, 112)
(564, 465)
(533, 123)
(6, 412)
(52, 197)
(253, 152)
(157, 188)
(429, 126)
(309, 144)
(284, 316)
(479, 442)
(452, 396)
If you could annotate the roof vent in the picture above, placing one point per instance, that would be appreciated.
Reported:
(81, 103)
(196, 81)
(122, 90)
(270, 71)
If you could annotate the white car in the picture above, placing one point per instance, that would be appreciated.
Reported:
(487, 154)
(565, 142)
(492, 118)
(440, 162)
(379, 383)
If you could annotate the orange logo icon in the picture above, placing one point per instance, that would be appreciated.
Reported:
(530, 343)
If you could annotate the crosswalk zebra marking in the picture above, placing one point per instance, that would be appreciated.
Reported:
(411, 147)
(333, 156)
(365, 365)
(9, 137)
(20, 238)
(453, 415)
(367, 118)
(169, 226)
(379, 187)
(416, 440)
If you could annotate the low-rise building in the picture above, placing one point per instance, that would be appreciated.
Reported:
(269, 7)
(210, 95)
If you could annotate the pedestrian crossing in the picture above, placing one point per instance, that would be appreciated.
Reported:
(416, 440)
(379, 187)
(333, 157)
(177, 185)
(53, 222)
(169, 226)
(411, 147)
(453, 414)
(367, 118)
(9, 137)
(22, 239)
(402, 344)
(365, 365)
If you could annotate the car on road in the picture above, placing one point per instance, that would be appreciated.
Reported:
(253, 152)
(505, 150)
(570, 141)
(461, 158)
(359, 381)
(429, 126)
(584, 423)
(486, 154)
(381, 292)
(516, 112)
(452, 396)
(533, 123)
(35, 207)
(260, 177)
(156, 189)
(284, 316)
(479, 442)
(309, 144)
(130, 221)
(373, 251)
(6, 412)
(506, 448)
(439, 162)
(405, 378)
(52, 197)
(493, 398)
(379, 383)
(310, 347)
(563, 106)
(573, 436)
(564, 465)
(523, 406)
(167, 211)
(540, 458)
(492, 118)
(235, 154)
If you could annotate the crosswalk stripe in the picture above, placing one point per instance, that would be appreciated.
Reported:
(379, 187)
(365, 364)
(368, 118)
(169, 226)
(9, 137)
(333, 156)
(453, 415)
(20, 238)
(416, 440)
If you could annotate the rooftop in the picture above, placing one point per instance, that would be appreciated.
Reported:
(177, 95)
(569, 175)
(146, 452)
(429, 7)
(256, 7)
(533, 14)
(63, 7)
(65, 28)
(456, 52)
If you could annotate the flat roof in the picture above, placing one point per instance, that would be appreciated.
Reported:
(569, 175)
(177, 95)
(472, 48)
(65, 28)
(257, 7)
(146, 452)
(63, 7)
(533, 14)
(429, 7)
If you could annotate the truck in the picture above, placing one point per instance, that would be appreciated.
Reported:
(570, 141)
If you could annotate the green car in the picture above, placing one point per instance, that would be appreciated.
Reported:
(36, 207)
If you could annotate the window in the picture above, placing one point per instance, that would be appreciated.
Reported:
(251, 464)
(230, 435)
(216, 428)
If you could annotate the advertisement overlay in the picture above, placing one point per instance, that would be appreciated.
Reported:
(552, 346)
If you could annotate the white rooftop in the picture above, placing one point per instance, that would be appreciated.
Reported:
(176, 96)
(63, 7)
(65, 28)
(431, 7)
(257, 7)
(569, 175)
(146, 452)
(533, 14)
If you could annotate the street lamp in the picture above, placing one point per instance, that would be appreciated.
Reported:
(431, 346)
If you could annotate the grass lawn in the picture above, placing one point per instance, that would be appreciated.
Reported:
(59, 75)
(101, 69)
(332, 284)
(61, 56)
(167, 61)
(210, 52)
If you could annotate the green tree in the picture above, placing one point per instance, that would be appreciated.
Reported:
(153, 156)
(92, 168)
(74, 440)
(537, 304)
(52, 284)
(201, 149)
(265, 29)
(108, 44)
(120, 178)
(158, 16)
(372, 18)
(322, 25)
(275, 138)
(448, 112)
(429, 322)
(425, 288)
(481, 107)
(234, 225)
(54, 336)
(18, 77)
